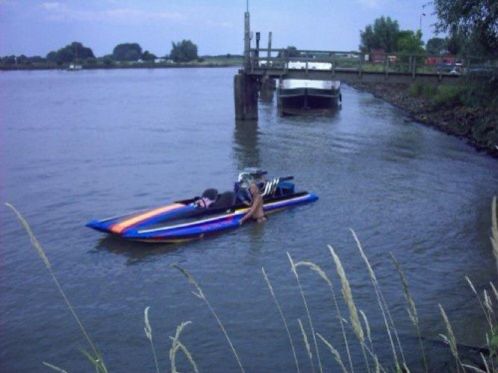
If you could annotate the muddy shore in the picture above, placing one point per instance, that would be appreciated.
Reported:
(477, 125)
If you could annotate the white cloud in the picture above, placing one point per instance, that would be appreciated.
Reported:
(52, 6)
(61, 12)
(370, 3)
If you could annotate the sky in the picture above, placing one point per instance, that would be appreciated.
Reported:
(36, 27)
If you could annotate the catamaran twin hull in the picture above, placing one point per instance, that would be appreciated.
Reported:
(184, 221)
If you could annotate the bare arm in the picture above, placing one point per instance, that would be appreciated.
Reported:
(257, 200)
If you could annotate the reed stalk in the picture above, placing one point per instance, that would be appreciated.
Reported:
(494, 230)
(294, 270)
(96, 359)
(473, 368)
(383, 306)
(481, 304)
(176, 346)
(316, 268)
(306, 343)
(277, 303)
(367, 327)
(53, 367)
(485, 363)
(335, 353)
(450, 339)
(200, 294)
(411, 309)
(348, 299)
(148, 334)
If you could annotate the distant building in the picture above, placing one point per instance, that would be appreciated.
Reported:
(447, 59)
(377, 55)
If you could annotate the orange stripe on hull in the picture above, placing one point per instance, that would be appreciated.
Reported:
(120, 227)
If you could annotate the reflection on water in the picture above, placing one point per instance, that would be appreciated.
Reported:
(245, 144)
(135, 251)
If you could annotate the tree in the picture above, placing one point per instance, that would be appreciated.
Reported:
(382, 35)
(183, 51)
(475, 20)
(9, 60)
(70, 53)
(147, 56)
(127, 52)
(290, 51)
(437, 46)
(410, 42)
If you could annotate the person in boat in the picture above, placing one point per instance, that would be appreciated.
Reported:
(255, 212)
(208, 198)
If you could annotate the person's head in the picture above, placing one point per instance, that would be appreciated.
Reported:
(253, 188)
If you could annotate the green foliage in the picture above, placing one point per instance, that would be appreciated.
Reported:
(107, 60)
(443, 95)
(70, 53)
(449, 95)
(410, 42)
(290, 51)
(184, 51)
(127, 52)
(147, 56)
(8, 60)
(436, 46)
(476, 20)
(382, 35)
(418, 89)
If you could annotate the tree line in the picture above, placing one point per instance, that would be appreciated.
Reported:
(76, 52)
(471, 28)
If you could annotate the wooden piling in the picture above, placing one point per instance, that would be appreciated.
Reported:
(246, 97)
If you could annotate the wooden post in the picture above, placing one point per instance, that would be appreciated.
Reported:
(246, 97)
(360, 72)
(414, 66)
(269, 51)
(247, 41)
(386, 65)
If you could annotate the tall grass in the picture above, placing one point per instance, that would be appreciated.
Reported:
(384, 309)
(359, 324)
(411, 309)
(308, 314)
(200, 294)
(95, 358)
(348, 299)
(148, 334)
(277, 303)
(177, 345)
(317, 269)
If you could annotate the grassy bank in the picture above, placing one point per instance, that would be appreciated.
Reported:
(203, 62)
(468, 110)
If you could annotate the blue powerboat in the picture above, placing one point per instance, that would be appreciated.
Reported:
(209, 214)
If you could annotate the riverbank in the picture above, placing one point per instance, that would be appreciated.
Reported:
(478, 124)
(207, 62)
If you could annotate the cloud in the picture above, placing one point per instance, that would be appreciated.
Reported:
(57, 11)
(370, 3)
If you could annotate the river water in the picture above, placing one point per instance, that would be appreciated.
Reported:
(90, 144)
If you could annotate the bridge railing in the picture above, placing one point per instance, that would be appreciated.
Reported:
(283, 60)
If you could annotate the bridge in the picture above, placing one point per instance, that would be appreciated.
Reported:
(263, 65)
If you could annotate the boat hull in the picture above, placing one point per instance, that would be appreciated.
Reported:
(296, 96)
(180, 221)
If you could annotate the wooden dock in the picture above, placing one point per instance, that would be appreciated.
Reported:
(263, 65)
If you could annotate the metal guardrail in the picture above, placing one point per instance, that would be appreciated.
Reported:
(261, 60)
